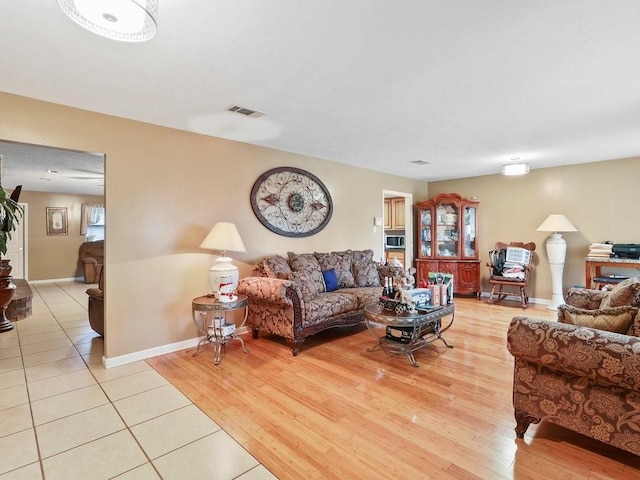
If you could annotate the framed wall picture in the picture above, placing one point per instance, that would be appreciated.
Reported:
(57, 221)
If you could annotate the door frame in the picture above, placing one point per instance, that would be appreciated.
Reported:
(408, 229)
(21, 233)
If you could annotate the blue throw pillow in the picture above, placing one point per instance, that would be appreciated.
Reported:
(330, 280)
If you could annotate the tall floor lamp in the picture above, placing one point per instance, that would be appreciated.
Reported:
(556, 253)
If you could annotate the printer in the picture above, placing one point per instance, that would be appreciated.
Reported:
(626, 250)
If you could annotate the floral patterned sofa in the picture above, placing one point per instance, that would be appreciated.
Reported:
(299, 296)
(582, 372)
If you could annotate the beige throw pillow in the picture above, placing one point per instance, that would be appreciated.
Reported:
(617, 319)
(634, 329)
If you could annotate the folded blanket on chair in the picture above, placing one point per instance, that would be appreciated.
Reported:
(513, 270)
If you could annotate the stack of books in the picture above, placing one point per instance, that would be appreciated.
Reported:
(600, 250)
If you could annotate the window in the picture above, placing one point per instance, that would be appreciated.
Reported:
(92, 221)
(94, 232)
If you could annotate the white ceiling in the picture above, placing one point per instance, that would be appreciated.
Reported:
(466, 85)
(47, 169)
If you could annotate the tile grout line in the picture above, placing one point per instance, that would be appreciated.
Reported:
(98, 383)
(220, 428)
(109, 400)
(26, 386)
(127, 426)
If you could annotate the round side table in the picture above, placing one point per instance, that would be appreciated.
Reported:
(210, 318)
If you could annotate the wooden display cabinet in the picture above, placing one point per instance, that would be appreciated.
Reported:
(448, 241)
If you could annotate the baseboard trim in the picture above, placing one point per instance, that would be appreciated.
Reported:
(155, 351)
(53, 280)
(516, 298)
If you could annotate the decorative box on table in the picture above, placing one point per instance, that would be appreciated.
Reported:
(417, 296)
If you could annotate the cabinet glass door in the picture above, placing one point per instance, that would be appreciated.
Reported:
(447, 217)
(425, 233)
(470, 247)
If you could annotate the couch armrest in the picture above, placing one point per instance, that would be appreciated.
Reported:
(89, 261)
(604, 358)
(276, 307)
(266, 289)
(95, 293)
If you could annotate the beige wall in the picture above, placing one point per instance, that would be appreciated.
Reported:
(54, 256)
(164, 189)
(600, 199)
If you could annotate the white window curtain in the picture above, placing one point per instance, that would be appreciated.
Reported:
(91, 214)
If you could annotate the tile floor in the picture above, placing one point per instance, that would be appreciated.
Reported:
(63, 415)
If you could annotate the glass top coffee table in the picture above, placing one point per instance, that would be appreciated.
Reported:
(404, 333)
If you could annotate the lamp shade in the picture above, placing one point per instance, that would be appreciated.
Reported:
(556, 223)
(124, 20)
(224, 276)
(223, 236)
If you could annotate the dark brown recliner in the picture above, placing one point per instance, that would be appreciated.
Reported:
(96, 305)
(91, 259)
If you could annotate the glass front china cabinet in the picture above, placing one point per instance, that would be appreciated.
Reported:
(448, 241)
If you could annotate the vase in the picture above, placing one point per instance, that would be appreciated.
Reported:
(7, 291)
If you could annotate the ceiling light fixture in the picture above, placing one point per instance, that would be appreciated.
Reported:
(515, 168)
(123, 20)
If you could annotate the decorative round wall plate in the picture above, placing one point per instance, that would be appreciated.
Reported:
(291, 202)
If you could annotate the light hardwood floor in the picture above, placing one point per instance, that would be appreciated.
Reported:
(338, 411)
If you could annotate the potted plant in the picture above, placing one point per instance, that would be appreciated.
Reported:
(10, 215)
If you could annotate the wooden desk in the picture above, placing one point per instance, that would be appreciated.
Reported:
(593, 265)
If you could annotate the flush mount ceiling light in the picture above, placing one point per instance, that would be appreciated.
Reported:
(515, 169)
(123, 20)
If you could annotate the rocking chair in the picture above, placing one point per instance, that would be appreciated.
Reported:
(510, 266)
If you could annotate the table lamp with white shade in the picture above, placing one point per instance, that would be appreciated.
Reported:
(556, 253)
(224, 236)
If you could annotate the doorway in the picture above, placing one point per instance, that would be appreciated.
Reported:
(50, 176)
(17, 246)
(394, 202)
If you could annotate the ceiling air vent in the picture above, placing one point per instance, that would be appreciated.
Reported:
(247, 112)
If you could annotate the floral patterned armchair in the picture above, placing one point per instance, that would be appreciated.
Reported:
(574, 375)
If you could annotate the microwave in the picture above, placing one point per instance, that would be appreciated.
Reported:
(394, 241)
